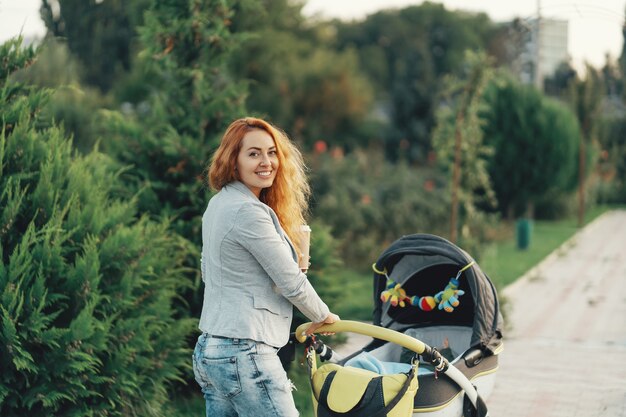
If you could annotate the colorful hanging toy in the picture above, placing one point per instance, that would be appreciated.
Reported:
(446, 300)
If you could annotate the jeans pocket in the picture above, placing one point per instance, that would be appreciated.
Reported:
(222, 373)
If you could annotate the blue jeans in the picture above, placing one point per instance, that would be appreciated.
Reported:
(241, 377)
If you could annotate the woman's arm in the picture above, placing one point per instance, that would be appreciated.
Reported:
(256, 232)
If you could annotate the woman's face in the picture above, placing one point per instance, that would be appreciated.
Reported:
(257, 161)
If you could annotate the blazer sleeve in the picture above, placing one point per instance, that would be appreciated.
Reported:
(256, 232)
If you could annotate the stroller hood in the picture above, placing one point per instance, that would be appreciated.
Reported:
(423, 264)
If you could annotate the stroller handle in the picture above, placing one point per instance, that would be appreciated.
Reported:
(408, 342)
(366, 329)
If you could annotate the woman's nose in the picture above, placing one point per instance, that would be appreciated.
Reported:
(266, 160)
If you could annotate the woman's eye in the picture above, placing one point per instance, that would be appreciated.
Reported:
(273, 152)
(254, 154)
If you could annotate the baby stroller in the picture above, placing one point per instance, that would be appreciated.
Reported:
(434, 308)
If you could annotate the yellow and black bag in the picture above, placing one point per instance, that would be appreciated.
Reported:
(353, 392)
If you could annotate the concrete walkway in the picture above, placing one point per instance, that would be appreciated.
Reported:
(565, 343)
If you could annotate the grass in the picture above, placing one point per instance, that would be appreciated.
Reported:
(358, 303)
(188, 406)
(504, 262)
(299, 375)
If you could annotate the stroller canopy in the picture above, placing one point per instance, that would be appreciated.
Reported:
(423, 264)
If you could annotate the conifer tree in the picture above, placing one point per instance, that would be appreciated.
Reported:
(86, 286)
(458, 141)
(168, 140)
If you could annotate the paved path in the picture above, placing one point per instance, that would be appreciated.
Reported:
(565, 344)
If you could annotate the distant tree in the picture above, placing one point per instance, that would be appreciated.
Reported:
(458, 143)
(611, 78)
(558, 84)
(167, 140)
(535, 141)
(87, 326)
(297, 79)
(406, 53)
(368, 202)
(73, 104)
(586, 99)
(613, 158)
(100, 33)
(622, 61)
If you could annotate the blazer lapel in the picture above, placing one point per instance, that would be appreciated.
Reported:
(245, 190)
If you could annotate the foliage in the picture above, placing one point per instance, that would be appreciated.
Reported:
(325, 267)
(405, 53)
(458, 141)
(612, 164)
(558, 85)
(504, 262)
(86, 287)
(99, 33)
(585, 98)
(369, 202)
(73, 105)
(309, 89)
(167, 140)
(186, 46)
(535, 141)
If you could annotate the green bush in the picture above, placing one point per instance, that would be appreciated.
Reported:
(535, 141)
(73, 105)
(86, 288)
(167, 140)
(369, 202)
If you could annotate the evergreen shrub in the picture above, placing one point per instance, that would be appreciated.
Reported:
(86, 285)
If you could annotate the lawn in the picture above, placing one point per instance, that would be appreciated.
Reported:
(503, 262)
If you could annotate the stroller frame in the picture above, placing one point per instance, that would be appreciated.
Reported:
(428, 353)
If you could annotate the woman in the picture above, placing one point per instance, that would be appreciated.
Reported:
(250, 271)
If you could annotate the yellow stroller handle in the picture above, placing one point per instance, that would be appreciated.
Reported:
(366, 329)
(403, 340)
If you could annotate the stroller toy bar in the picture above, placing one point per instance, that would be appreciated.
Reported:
(446, 300)
(396, 295)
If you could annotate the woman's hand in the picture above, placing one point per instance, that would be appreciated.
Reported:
(330, 319)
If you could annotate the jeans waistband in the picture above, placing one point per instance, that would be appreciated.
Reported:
(234, 340)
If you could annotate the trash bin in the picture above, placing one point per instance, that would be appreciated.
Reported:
(523, 229)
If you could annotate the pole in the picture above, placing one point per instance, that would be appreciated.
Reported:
(538, 74)
(456, 175)
(581, 181)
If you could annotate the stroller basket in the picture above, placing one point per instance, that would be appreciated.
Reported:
(356, 392)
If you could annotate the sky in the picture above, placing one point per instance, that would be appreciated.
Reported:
(595, 26)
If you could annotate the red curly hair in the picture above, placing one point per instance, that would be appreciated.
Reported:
(288, 195)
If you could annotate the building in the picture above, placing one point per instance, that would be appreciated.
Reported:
(534, 60)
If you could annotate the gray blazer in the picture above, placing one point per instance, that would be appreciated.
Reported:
(250, 271)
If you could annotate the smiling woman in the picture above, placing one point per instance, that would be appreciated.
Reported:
(251, 273)
(257, 161)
